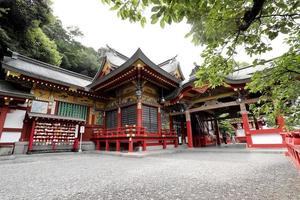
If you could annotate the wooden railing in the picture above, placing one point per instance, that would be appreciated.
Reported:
(130, 131)
(119, 132)
(293, 145)
(168, 132)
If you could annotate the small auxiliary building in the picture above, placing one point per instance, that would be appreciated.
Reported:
(131, 103)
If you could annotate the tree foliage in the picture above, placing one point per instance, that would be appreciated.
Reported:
(41, 46)
(29, 27)
(75, 56)
(223, 27)
(226, 126)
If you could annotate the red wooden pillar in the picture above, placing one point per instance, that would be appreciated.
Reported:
(30, 144)
(159, 121)
(76, 140)
(164, 144)
(26, 125)
(3, 113)
(104, 120)
(24, 130)
(97, 145)
(118, 145)
(182, 129)
(246, 126)
(75, 145)
(139, 116)
(106, 145)
(170, 122)
(130, 145)
(256, 123)
(93, 119)
(189, 129)
(216, 128)
(119, 119)
(176, 143)
(281, 123)
(144, 145)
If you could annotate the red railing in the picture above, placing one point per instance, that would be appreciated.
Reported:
(126, 131)
(293, 145)
(168, 132)
(130, 131)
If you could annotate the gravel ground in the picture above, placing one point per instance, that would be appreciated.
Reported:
(189, 175)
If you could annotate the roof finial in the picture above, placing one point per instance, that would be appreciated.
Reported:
(173, 59)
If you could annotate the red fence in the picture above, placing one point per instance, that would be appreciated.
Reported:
(133, 135)
(130, 131)
(293, 145)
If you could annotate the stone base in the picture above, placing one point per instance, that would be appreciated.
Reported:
(20, 148)
(7, 150)
(88, 146)
(160, 147)
(50, 148)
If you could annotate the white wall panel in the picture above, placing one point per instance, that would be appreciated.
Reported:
(240, 132)
(266, 139)
(10, 136)
(14, 119)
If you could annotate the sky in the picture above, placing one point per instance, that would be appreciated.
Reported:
(102, 27)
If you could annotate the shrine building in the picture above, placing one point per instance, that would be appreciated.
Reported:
(131, 104)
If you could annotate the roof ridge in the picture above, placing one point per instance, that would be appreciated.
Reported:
(180, 71)
(139, 54)
(49, 66)
(167, 61)
(117, 52)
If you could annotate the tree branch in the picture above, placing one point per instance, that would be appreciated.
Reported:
(292, 71)
(279, 15)
(251, 14)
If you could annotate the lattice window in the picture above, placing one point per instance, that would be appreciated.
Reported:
(150, 118)
(72, 110)
(111, 119)
(129, 115)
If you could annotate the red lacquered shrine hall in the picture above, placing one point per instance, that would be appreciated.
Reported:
(131, 104)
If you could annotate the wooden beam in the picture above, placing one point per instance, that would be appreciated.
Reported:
(214, 97)
(222, 105)
(177, 113)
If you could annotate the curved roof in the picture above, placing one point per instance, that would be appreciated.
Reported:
(40, 70)
(118, 62)
(114, 57)
(9, 89)
(172, 66)
(138, 55)
(232, 79)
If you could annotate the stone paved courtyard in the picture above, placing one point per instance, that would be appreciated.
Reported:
(188, 175)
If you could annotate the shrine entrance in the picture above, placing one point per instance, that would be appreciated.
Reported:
(204, 128)
(207, 127)
(179, 125)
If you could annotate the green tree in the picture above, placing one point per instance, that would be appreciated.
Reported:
(40, 46)
(226, 126)
(21, 29)
(75, 56)
(29, 27)
(224, 26)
